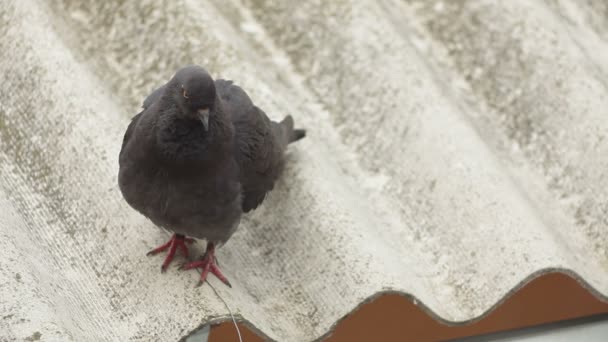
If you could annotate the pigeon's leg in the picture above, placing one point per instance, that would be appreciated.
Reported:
(209, 264)
(177, 240)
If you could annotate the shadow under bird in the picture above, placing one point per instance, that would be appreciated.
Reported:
(198, 156)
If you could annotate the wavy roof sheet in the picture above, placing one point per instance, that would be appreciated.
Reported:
(455, 148)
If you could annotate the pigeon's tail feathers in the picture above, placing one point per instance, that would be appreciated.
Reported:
(291, 134)
(297, 134)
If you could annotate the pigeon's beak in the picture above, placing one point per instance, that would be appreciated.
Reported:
(203, 115)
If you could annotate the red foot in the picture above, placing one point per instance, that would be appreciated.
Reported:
(175, 241)
(208, 264)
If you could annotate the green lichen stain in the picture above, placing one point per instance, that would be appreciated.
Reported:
(35, 337)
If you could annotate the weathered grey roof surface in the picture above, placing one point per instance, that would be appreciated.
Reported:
(455, 148)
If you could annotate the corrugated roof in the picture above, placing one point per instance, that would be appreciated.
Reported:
(454, 149)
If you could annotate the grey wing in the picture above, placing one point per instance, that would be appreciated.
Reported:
(129, 131)
(259, 144)
(156, 94)
(147, 103)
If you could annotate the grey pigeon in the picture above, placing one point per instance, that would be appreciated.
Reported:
(198, 156)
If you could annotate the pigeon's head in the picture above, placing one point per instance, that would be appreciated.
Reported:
(195, 93)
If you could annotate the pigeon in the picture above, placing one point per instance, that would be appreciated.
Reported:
(198, 156)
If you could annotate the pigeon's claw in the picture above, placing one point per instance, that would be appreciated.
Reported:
(176, 240)
(209, 265)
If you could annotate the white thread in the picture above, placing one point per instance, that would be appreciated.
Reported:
(236, 326)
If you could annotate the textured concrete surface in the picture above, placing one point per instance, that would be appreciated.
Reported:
(455, 149)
